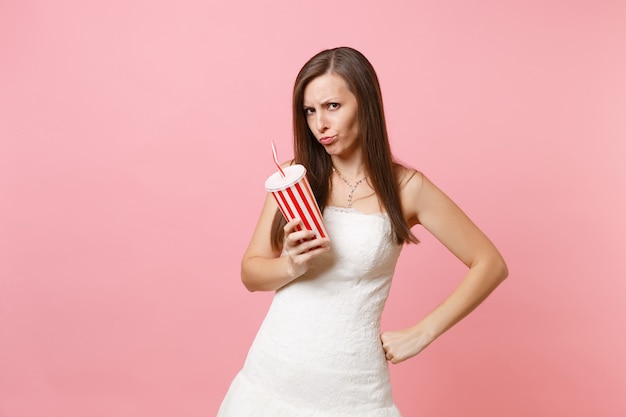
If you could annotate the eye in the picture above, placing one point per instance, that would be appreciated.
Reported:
(309, 111)
(333, 106)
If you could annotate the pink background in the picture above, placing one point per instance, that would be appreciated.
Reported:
(134, 142)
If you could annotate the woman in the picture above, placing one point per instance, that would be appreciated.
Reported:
(319, 351)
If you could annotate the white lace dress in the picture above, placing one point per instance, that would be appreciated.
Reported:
(318, 352)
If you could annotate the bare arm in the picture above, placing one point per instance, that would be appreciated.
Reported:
(428, 205)
(262, 268)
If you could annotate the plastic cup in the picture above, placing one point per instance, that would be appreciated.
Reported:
(295, 198)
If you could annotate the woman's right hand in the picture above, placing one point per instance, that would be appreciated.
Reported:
(301, 247)
(267, 268)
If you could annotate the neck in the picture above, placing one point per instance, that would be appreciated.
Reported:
(350, 169)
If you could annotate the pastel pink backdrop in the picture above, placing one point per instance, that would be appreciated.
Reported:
(134, 141)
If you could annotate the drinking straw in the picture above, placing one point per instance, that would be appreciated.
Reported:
(280, 169)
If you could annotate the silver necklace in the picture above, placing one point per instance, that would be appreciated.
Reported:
(352, 187)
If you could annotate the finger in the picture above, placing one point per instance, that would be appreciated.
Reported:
(307, 254)
(292, 226)
(293, 236)
(297, 238)
(315, 243)
(385, 339)
(314, 246)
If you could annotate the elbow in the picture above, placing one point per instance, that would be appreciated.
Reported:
(493, 269)
(501, 269)
(253, 286)
(257, 274)
(247, 281)
(251, 279)
(249, 286)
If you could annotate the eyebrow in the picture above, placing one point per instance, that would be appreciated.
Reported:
(325, 102)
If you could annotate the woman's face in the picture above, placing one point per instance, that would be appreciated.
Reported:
(331, 113)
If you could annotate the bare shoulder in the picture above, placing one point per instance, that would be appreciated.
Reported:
(408, 177)
(410, 183)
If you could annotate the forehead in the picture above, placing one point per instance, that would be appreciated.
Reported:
(325, 87)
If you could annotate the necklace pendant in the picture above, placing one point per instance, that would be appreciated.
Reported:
(351, 187)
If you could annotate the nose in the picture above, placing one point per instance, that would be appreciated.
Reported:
(321, 123)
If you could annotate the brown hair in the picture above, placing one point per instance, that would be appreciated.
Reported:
(362, 81)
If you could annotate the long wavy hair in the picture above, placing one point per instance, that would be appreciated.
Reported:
(362, 81)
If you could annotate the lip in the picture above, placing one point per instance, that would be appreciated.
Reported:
(327, 140)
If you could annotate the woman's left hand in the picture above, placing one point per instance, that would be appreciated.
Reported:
(401, 345)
